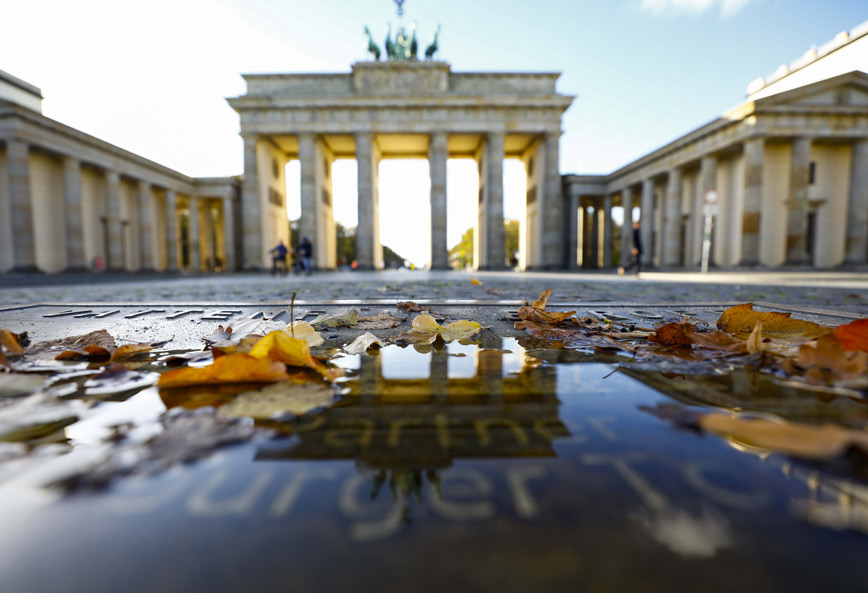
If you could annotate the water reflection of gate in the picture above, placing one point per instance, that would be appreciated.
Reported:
(412, 423)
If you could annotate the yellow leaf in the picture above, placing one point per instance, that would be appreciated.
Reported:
(129, 351)
(755, 340)
(475, 282)
(426, 330)
(363, 343)
(280, 347)
(537, 313)
(302, 330)
(741, 319)
(231, 368)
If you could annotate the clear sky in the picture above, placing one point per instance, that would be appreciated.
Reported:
(152, 77)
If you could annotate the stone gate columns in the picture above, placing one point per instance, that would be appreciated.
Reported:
(707, 182)
(627, 226)
(608, 242)
(21, 206)
(193, 253)
(856, 246)
(228, 234)
(113, 221)
(251, 208)
(797, 202)
(317, 213)
(147, 239)
(309, 222)
(573, 248)
(672, 220)
(72, 205)
(369, 252)
(171, 231)
(646, 217)
(553, 224)
(491, 237)
(437, 156)
(754, 150)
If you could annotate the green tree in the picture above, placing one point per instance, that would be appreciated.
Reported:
(461, 255)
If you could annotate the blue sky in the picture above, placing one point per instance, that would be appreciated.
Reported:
(152, 77)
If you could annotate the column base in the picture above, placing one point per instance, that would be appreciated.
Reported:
(28, 269)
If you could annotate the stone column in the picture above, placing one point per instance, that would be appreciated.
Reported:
(21, 206)
(147, 245)
(207, 247)
(228, 235)
(193, 253)
(608, 239)
(171, 231)
(73, 213)
(856, 246)
(587, 238)
(551, 209)
(646, 218)
(595, 234)
(438, 153)
(308, 223)
(672, 220)
(754, 150)
(115, 225)
(797, 204)
(573, 233)
(368, 248)
(493, 234)
(707, 181)
(627, 227)
(252, 252)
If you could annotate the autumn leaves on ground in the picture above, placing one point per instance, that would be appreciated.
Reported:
(251, 353)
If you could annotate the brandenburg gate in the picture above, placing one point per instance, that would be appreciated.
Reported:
(401, 109)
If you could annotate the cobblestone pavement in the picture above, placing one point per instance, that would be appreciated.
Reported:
(845, 291)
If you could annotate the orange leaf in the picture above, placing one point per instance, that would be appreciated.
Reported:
(91, 352)
(853, 336)
(826, 359)
(673, 334)
(129, 351)
(9, 342)
(231, 368)
(741, 319)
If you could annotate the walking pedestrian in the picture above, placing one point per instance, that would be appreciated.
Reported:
(278, 259)
(305, 253)
(637, 252)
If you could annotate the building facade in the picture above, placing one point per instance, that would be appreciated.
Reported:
(69, 201)
(790, 167)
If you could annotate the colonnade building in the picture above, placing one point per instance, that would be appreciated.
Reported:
(790, 166)
(69, 201)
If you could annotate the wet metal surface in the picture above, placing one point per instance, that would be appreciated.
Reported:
(498, 465)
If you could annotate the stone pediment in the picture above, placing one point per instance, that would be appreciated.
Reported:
(400, 78)
(845, 91)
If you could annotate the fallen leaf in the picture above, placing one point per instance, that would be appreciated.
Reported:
(673, 334)
(278, 346)
(343, 319)
(799, 440)
(854, 335)
(754, 342)
(231, 368)
(99, 338)
(363, 343)
(382, 321)
(574, 338)
(536, 313)
(741, 319)
(129, 351)
(9, 342)
(475, 282)
(411, 307)
(90, 352)
(825, 361)
(426, 330)
(296, 398)
(302, 330)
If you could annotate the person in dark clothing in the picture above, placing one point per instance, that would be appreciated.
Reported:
(305, 252)
(278, 259)
(637, 252)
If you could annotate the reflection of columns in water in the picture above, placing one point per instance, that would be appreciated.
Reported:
(370, 376)
(439, 375)
(489, 366)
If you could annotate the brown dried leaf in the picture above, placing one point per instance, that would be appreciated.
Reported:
(129, 351)
(853, 336)
(382, 321)
(411, 307)
(232, 368)
(90, 352)
(741, 319)
(537, 313)
(825, 361)
(99, 338)
(673, 334)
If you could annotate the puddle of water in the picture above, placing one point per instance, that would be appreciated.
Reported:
(464, 469)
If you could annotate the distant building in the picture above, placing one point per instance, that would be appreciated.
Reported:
(790, 166)
(69, 201)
